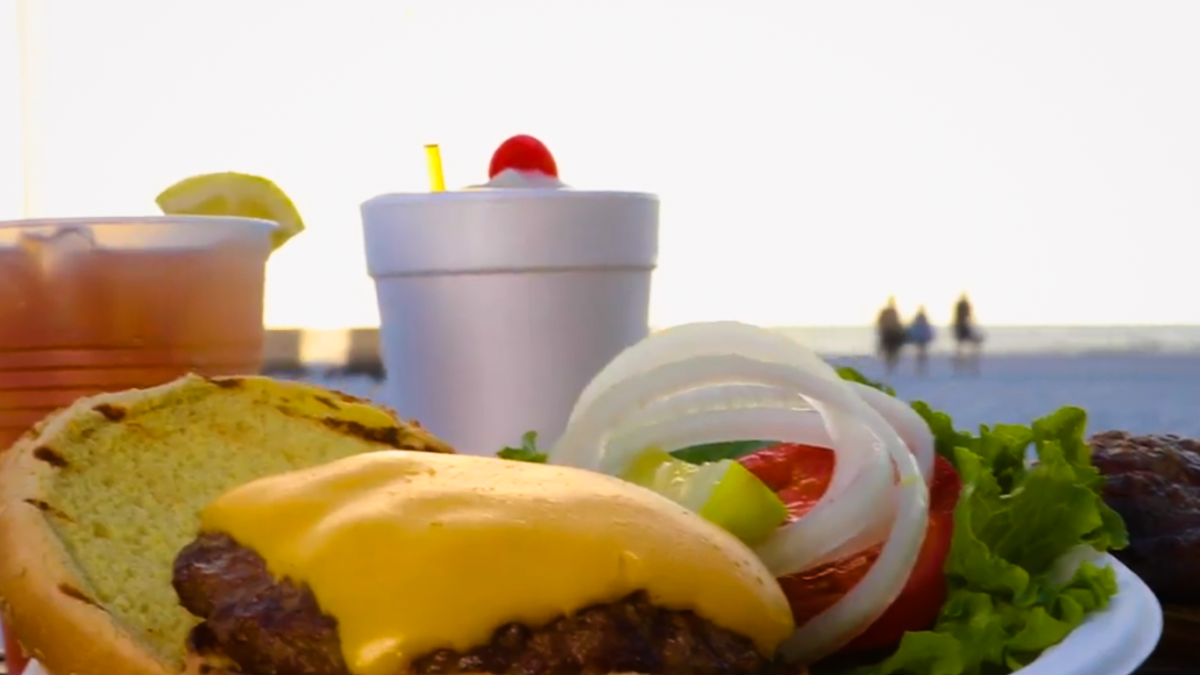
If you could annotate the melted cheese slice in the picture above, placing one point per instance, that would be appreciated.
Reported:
(413, 551)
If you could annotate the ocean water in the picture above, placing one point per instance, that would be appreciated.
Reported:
(1056, 340)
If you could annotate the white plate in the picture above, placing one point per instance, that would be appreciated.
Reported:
(1113, 642)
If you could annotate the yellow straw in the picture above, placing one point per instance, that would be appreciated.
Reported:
(433, 158)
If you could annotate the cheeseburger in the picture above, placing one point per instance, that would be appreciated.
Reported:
(257, 527)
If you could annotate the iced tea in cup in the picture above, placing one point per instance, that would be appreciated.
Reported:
(91, 305)
(498, 306)
(102, 304)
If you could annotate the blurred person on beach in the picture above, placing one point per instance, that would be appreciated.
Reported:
(891, 335)
(920, 334)
(967, 337)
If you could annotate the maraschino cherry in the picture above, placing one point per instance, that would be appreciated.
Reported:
(523, 153)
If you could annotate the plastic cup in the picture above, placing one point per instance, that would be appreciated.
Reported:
(102, 304)
(497, 307)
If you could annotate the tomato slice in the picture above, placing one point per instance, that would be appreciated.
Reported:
(800, 474)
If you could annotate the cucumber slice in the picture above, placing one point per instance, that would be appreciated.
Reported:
(723, 492)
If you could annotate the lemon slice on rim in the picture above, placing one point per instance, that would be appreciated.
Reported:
(233, 194)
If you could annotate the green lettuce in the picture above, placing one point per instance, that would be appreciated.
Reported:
(1007, 601)
(527, 451)
(848, 373)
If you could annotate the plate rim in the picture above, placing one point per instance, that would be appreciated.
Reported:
(1118, 639)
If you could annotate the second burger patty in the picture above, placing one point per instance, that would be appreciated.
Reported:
(275, 627)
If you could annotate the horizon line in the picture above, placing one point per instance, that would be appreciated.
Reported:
(859, 326)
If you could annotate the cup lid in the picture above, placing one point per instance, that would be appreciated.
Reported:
(509, 230)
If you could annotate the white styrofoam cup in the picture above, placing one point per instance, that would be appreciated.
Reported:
(497, 307)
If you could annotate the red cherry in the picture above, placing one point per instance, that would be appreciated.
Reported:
(524, 153)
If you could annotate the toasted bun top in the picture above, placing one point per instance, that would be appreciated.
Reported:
(413, 552)
(97, 500)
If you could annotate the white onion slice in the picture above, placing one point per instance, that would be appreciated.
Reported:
(842, 523)
(683, 342)
(835, 528)
(912, 429)
(688, 341)
(864, 512)
(899, 415)
(639, 387)
(775, 409)
(745, 412)
(584, 443)
(686, 429)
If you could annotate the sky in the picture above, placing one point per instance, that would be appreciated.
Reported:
(812, 158)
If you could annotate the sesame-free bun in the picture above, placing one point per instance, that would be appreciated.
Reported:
(97, 500)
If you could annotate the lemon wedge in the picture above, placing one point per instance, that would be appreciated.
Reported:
(724, 493)
(233, 194)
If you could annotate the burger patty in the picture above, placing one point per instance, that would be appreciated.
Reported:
(1154, 483)
(275, 627)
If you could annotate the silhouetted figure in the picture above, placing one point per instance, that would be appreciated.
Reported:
(920, 334)
(891, 335)
(967, 338)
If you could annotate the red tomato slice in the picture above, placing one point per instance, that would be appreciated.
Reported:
(800, 474)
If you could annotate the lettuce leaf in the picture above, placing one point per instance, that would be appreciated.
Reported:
(1014, 521)
(527, 451)
(715, 452)
(852, 375)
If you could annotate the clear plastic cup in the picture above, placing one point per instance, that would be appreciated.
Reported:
(497, 307)
(102, 304)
